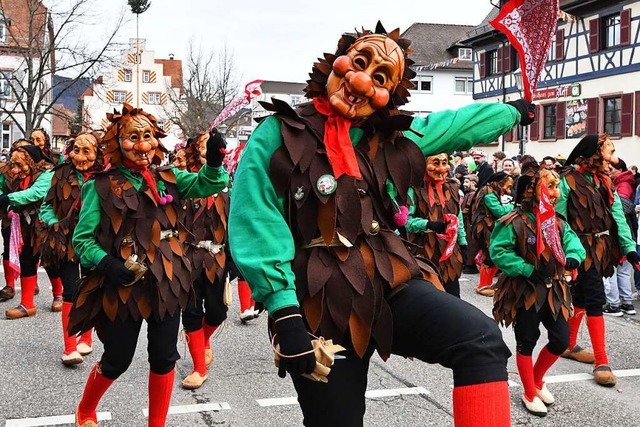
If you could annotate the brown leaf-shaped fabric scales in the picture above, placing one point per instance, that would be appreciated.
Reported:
(482, 222)
(32, 231)
(167, 286)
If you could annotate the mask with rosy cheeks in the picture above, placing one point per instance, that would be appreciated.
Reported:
(38, 139)
(20, 165)
(363, 79)
(137, 141)
(506, 185)
(551, 180)
(202, 147)
(437, 167)
(180, 160)
(84, 152)
(607, 152)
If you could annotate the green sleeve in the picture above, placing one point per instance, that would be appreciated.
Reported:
(47, 215)
(624, 232)
(34, 193)
(451, 130)
(503, 252)
(415, 224)
(260, 240)
(462, 233)
(572, 246)
(84, 235)
(3, 181)
(561, 203)
(496, 208)
(206, 182)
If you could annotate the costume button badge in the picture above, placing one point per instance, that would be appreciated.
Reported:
(327, 184)
(299, 194)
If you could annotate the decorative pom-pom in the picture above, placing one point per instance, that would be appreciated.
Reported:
(400, 218)
(162, 201)
(169, 198)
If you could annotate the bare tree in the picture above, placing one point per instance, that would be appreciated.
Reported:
(44, 40)
(211, 83)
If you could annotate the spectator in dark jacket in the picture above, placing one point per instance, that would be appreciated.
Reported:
(483, 169)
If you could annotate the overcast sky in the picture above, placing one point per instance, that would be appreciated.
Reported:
(280, 39)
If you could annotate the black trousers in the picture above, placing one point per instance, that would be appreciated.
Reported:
(208, 304)
(452, 287)
(527, 330)
(28, 260)
(69, 273)
(429, 325)
(6, 239)
(588, 292)
(121, 337)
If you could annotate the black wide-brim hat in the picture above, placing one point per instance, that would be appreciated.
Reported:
(35, 153)
(587, 147)
(494, 177)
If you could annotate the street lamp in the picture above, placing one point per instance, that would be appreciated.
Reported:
(517, 75)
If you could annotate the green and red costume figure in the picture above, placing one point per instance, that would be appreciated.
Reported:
(8, 184)
(132, 217)
(537, 254)
(590, 204)
(59, 215)
(311, 188)
(486, 209)
(434, 211)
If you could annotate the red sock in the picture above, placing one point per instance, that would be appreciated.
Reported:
(482, 405)
(160, 388)
(545, 360)
(56, 286)
(97, 385)
(195, 340)
(244, 294)
(525, 369)
(69, 341)
(28, 285)
(9, 274)
(574, 325)
(87, 338)
(597, 335)
(208, 331)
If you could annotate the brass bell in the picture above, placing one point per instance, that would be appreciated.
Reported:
(375, 227)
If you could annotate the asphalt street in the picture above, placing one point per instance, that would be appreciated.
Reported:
(244, 390)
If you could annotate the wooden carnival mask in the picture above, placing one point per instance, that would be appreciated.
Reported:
(201, 146)
(505, 186)
(551, 180)
(180, 161)
(84, 152)
(21, 164)
(606, 153)
(39, 139)
(437, 167)
(137, 140)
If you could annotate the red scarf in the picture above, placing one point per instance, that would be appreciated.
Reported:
(24, 184)
(598, 179)
(547, 226)
(149, 179)
(340, 152)
(438, 186)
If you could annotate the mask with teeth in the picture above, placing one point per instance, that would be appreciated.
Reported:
(84, 152)
(437, 167)
(138, 142)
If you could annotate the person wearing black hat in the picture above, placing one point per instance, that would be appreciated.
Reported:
(33, 174)
(536, 252)
(593, 209)
(486, 208)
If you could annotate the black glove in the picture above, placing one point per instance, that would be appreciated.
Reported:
(633, 258)
(4, 200)
(215, 144)
(115, 271)
(571, 264)
(526, 109)
(437, 226)
(464, 250)
(538, 277)
(293, 339)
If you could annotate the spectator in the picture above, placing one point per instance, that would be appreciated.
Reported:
(483, 169)
(460, 172)
(509, 166)
(636, 175)
(498, 158)
(548, 162)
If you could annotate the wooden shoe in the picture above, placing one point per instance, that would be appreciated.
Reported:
(536, 407)
(579, 354)
(74, 358)
(86, 423)
(208, 357)
(193, 381)
(7, 293)
(604, 377)
(247, 315)
(84, 349)
(20, 312)
(485, 291)
(56, 305)
(545, 395)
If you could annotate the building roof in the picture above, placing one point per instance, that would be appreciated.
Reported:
(61, 118)
(270, 86)
(433, 43)
(172, 68)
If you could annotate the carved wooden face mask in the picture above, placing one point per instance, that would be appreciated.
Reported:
(21, 164)
(180, 161)
(505, 186)
(38, 139)
(363, 79)
(437, 167)
(551, 180)
(84, 152)
(607, 153)
(137, 140)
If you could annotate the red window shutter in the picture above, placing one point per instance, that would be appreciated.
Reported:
(483, 66)
(594, 35)
(626, 119)
(508, 137)
(506, 57)
(499, 66)
(637, 114)
(592, 115)
(560, 116)
(560, 44)
(534, 128)
(625, 27)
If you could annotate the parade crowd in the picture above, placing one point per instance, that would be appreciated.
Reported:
(348, 221)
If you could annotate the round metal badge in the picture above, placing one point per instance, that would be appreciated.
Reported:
(327, 184)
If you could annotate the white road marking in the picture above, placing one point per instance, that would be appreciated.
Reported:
(189, 409)
(371, 394)
(52, 421)
(278, 401)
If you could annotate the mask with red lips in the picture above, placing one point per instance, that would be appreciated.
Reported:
(437, 168)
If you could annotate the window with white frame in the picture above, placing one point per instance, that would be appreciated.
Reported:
(119, 96)
(6, 135)
(5, 84)
(552, 50)
(146, 76)
(295, 100)
(160, 125)
(464, 53)
(611, 31)
(128, 75)
(464, 86)
(3, 30)
(154, 98)
(423, 84)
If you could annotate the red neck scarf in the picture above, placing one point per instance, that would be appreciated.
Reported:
(24, 184)
(340, 152)
(599, 178)
(148, 178)
(438, 186)
(547, 230)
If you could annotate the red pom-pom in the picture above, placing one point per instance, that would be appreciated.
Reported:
(401, 218)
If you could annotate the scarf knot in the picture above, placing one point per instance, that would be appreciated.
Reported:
(147, 176)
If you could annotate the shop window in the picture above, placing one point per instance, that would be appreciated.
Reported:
(549, 122)
(613, 116)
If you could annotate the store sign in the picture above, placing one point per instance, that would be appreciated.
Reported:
(576, 118)
(557, 92)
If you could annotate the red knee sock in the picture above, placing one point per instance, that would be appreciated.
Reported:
(56, 286)
(486, 275)
(208, 331)
(9, 274)
(574, 325)
(69, 341)
(482, 405)
(545, 360)
(28, 285)
(525, 369)
(87, 338)
(97, 385)
(597, 335)
(196, 342)
(244, 294)
(160, 388)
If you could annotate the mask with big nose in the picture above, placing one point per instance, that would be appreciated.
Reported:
(137, 141)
